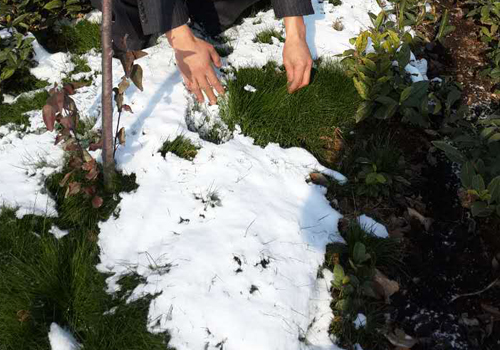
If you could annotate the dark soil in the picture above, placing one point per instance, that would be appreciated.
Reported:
(453, 257)
(462, 54)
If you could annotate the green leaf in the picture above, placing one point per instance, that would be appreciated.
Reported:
(403, 56)
(451, 152)
(495, 137)
(367, 289)
(481, 209)
(478, 183)
(338, 276)
(7, 73)
(359, 252)
(467, 174)
(381, 179)
(494, 189)
(54, 4)
(405, 94)
(364, 110)
(362, 89)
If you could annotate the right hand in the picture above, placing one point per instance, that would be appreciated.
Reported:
(195, 60)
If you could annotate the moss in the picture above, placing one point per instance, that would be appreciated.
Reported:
(266, 36)
(181, 147)
(306, 118)
(82, 37)
(15, 113)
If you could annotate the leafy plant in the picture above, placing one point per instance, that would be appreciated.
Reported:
(16, 53)
(476, 147)
(444, 28)
(35, 15)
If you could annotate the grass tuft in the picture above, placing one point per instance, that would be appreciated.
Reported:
(266, 36)
(305, 119)
(15, 113)
(181, 146)
(224, 50)
(81, 66)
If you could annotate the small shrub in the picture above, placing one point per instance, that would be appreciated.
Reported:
(15, 113)
(307, 118)
(35, 15)
(354, 266)
(181, 146)
(266, 36)
(476, 147)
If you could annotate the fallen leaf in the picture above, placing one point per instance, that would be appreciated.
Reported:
(65, 179)
(73, 188)
(426, 222)
(319, 179)
(97, 202)
(23, 315)
(401, 339)
(92, 174)
(384, 286)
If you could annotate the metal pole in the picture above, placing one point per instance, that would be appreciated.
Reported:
(107, 94)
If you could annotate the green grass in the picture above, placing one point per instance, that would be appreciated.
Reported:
(305, 119)
(15, 113)
(266, 36)
(181, 147)
(335, 2)
(46, 280)
(224, 50)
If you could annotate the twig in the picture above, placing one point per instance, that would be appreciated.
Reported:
(492, 284)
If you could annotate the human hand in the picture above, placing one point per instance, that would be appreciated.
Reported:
(195, 59)
(296, 55)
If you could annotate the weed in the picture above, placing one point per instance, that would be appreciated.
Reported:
(181, 146)
(15, 113)
(335, 2)
(354, 266)
(266, 36)
(306, 118)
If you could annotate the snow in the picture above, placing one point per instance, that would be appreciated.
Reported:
(360, 321)
(250, 88)
(373, 226)
(61, 339)
(57, 232)
(187, 248)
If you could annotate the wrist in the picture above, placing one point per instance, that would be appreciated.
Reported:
(180, 37)
(295, 27)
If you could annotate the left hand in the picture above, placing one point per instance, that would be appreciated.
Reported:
(296, 55)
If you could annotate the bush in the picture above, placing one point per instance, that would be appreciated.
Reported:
(307, 118)
(36, 15)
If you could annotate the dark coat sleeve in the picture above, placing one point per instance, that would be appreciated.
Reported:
(287, 8)
(160, 16)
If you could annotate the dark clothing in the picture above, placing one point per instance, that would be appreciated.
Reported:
(143, 19)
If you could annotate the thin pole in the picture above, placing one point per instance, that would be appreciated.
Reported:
(107, 94)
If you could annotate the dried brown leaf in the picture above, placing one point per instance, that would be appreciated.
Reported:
(49, 116)
(123, 86)
(127, 108)
(73, 188)
(139, 54)
(65, 179)
(136, 76)
(121, 136)
(92, 174)
(96, 145)
(319, 179)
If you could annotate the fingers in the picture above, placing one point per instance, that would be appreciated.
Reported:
(207, 89)
(215, 56)
(196, 90)
(298, 75)
(214, 81)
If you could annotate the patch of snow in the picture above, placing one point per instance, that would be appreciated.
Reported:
(61, 339)
(321, 315)
(360, 321)
(94, 16)
(250, 88)
(57, 232)
(373, 226)
(51, 67)
(5, 33)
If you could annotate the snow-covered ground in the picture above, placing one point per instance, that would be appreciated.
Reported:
(238, 268)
